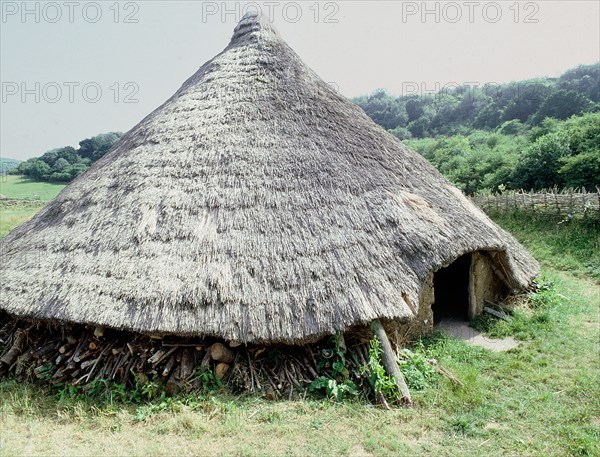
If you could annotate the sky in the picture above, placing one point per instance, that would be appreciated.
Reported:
(72, 69)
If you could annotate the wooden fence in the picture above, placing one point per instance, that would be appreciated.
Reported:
(564, 203)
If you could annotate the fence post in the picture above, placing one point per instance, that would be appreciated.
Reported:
(571, 202)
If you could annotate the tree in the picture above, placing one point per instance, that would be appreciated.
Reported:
(67, 153)
(513, 127)
(488, 117)
(401, 133)
(581, 170)
(419, 128)
(539, 166)
(492, 141)
(77, 169)
(40, 170)
(584, 79)
(66, 163)
(526, 101)
(414, 108)
(584, 133)
(60, 165)
(95, 147)
(562, 104)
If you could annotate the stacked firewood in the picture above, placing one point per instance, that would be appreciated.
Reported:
(288, 371)
(77, 354)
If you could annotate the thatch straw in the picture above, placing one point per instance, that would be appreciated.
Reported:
(257, 205)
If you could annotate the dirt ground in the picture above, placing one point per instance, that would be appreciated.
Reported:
(460, 330)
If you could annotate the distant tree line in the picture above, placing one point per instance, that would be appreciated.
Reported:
(456, 110)
(517, 156)
(7, 165)
(66, 163)
(528, 134)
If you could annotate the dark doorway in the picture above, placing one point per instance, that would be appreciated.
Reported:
(451, 289)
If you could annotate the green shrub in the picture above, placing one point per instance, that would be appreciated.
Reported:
(334, 381)
(416, 367)
(380, 381)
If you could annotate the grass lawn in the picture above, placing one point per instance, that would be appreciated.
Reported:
(13, 214)
(542, 398)
(16, 186)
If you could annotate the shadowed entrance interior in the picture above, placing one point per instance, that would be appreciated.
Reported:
(451, 289)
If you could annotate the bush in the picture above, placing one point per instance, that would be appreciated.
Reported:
(416, 367)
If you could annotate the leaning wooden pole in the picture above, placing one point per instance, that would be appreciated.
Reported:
(390, 362)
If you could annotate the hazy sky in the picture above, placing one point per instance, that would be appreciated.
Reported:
(70, 70)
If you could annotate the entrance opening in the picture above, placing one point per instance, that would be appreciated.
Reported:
(451, 290)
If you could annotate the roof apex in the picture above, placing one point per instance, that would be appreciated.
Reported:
(252, 26)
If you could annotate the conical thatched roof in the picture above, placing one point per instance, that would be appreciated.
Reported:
(256, 204)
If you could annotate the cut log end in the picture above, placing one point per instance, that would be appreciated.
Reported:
(220, 353)
(220, 370)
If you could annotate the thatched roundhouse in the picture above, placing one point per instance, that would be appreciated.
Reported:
(258, 205)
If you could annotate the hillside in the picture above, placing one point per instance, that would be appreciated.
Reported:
(453, 110)
(530, 134)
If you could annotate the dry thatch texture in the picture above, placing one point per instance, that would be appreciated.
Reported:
(256, 205)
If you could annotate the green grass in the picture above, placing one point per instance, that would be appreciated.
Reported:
(542, 398)
(16, 186)
(13, 214)
(572, 246)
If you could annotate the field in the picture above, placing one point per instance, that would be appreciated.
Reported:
(542, 398)
(13, 213)
(15, 186)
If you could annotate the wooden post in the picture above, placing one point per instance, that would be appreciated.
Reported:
(532, 199)
(390, 361)
(571, 203)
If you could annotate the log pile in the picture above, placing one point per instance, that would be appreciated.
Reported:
(288, 371)
(61, 354)
(77, 354)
